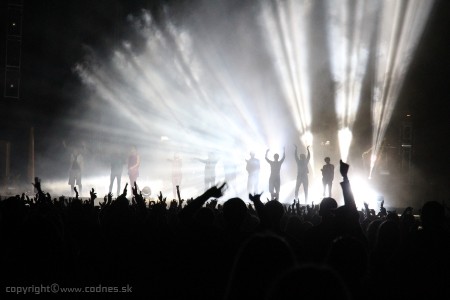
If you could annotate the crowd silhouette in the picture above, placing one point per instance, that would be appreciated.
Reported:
(200, 249)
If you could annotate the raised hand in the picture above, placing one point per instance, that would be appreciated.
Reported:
(134, 189)
(103, 204)
(137, 197)
(37, 185)
(93, 195)
(255, 197)
(125, 190)
(76, 192)
(343, 168)
(216, 191)
(161, 198)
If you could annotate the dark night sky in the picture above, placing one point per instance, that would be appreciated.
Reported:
(54, 32)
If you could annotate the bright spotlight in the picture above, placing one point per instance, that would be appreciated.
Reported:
(307, 138)
(363, 192)
(345, 139)
(286, 24)
(400, 26)
(350, 26)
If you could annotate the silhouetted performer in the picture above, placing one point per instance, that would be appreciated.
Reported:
(274, 180)
(176, 173)
(117, 162)
(302, 172)
(75, 170)
(76, 167)
(134, 161)
(252, 167)
(210, 169)
(327, 176)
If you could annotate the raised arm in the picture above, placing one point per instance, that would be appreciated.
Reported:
(309, 154)
(187, 213)
(296, 154)
(284, 155)
(267, 151)
(259, 207)
(346, 188)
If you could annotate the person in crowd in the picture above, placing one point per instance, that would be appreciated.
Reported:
(283, 251)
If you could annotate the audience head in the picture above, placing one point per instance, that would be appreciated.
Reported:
(275, 211)
(433, 215)
(234, 213)
(327, 206)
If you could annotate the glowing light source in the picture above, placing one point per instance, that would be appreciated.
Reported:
(286, 24)
(349, 29)
(401, 25)
(363, 192)
(345, 139)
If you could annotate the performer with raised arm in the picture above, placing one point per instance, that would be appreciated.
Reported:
(302, 172)
(252, 168)
(327, 176)
(210, 169)
(274, 180)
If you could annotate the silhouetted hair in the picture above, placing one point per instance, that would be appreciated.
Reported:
(234, 212)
